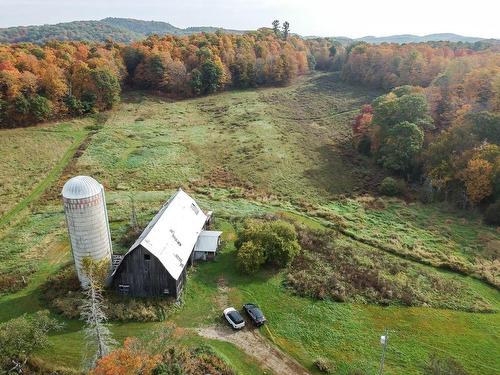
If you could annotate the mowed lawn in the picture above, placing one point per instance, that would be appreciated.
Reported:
(349, 334)
(274, 150)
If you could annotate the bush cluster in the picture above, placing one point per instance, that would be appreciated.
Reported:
(266, 242)
(392, 187)
(21, 336)
(326, 269)
(444, 366)
(154, 354)
(323, 365)
(63, 294)
(199, 360)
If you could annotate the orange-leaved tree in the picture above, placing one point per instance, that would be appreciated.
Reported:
(131, 359)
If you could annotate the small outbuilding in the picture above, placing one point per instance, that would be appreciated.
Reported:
(207, 245)
(156, 263)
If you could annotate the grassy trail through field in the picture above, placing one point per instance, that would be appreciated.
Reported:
(52, 176)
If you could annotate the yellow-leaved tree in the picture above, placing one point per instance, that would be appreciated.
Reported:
(478, 179)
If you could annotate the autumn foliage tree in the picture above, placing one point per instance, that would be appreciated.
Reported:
(38, 83)
(477, 177)
(131, 359)
(361, 128)
(205, 63)
(443, 124)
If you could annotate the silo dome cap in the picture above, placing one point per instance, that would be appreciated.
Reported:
(81, 187)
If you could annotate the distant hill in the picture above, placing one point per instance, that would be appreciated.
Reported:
(142, 28)
(126, 30)
(161, 28)
(409, 38)
(77, 30)
(406, 38)
(123, 30)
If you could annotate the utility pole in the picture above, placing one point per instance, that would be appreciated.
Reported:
(383, 341)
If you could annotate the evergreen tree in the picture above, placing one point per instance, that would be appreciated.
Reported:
(276, 27)
(286, 30)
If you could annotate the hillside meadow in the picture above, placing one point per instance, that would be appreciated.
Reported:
(285, 151)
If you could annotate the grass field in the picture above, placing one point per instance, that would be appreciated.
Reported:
(348, 334)
(275, 150)
(439, 236)
(287, 142)
(31, 159)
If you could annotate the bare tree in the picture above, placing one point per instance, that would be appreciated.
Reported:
(98, 336)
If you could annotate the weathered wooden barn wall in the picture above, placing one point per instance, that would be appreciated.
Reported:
(146, 278)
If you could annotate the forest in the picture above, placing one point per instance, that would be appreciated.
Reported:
(439, 126)
(75, 78)
(443, 97)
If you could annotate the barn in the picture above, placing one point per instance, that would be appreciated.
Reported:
(156, 264)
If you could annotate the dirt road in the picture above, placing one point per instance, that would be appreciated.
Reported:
(258, 347)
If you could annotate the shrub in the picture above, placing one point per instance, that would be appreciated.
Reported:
(63, 294)
(492, 214)
(262, 242)
(250, 257)
(40, 107)
(444, 366)
(280, 241)
(392, 187)
(332, 269)
(323, 365)
(21, 336)
(365, 145)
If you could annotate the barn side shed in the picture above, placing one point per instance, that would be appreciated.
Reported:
(207, 245)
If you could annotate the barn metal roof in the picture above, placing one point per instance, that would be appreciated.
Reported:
(173, 232)
(80, 187)
(208, 241)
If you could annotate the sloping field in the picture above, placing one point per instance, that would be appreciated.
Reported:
(288, 142)
(28, 156)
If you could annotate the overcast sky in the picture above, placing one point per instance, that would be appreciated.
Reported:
(353, 18)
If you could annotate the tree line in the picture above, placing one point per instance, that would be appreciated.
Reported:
(58, 79)
(440, 123)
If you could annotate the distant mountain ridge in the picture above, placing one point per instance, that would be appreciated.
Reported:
(409, 38)
(126, 30)
(122, 30)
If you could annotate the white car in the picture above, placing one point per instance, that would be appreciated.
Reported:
(234, 318)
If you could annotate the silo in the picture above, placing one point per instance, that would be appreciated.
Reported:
(87, 220)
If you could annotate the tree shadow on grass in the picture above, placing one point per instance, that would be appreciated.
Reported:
(224, 265)
(30, 303)
(343, 171)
